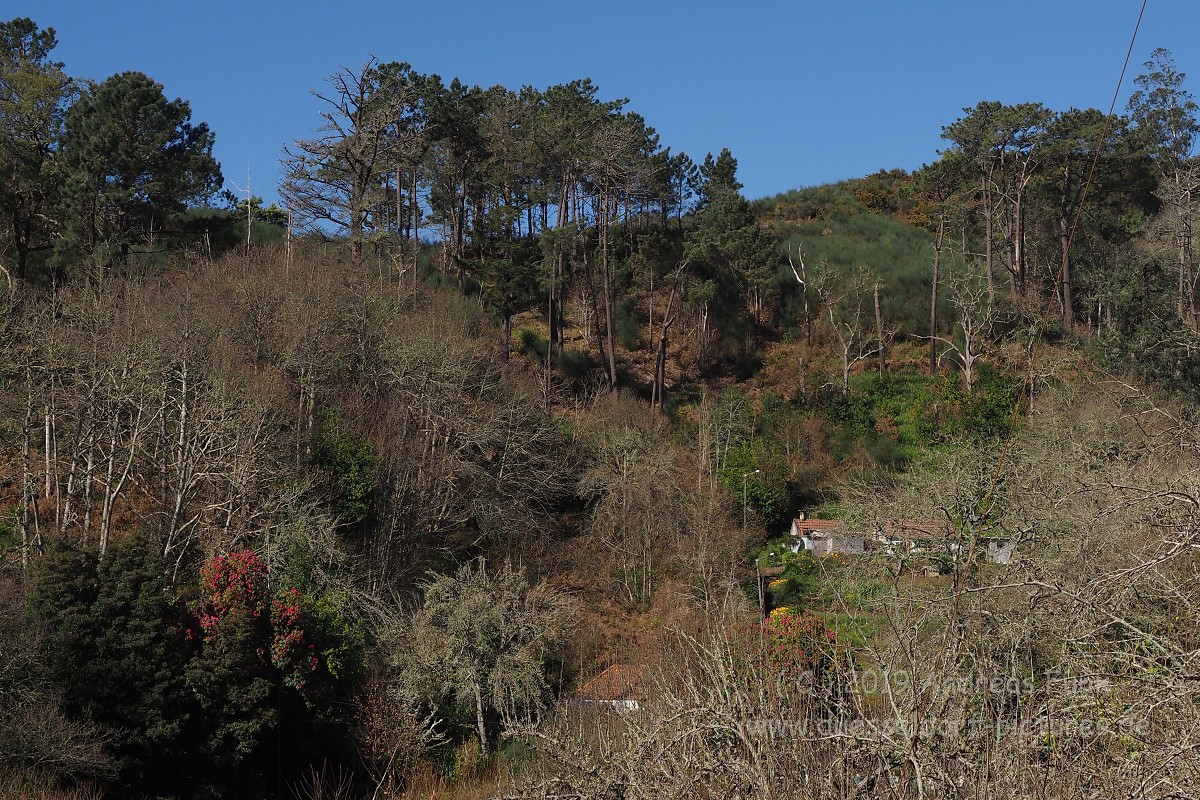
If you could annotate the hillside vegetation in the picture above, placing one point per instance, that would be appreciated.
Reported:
(349, 497)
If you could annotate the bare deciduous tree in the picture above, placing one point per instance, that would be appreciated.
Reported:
(332, 178)
(975, 320)
(843, 301)
(636, 500)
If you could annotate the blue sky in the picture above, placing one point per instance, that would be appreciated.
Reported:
(802, 92)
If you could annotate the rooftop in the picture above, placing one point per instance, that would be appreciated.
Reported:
(916, 530)
(803, 526)
(618, 682)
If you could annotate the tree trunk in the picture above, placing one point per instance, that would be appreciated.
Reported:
(403, 208)
(594, 302)
(356, 224)
(933, 294)
(969, 365)
(550, 324)
(606, 269)
(1019, 241)
(989, 213)
(106, 504)
(178, 464)
(89, 468)
(879, 334)
(659, 389)
(28, 491)
(48, 448)
(1186, 271)
(480, 726)
(115, 483)
(1066, 294)
(415, 209)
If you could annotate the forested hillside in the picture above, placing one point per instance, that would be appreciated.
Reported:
(467, 468)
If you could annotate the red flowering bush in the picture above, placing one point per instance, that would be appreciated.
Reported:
(795, 642)
(791, 651)
(268, 662)
(235, 588)
(292, 654)
(234, 606)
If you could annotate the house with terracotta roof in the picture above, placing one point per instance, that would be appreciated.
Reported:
(822, 537)
(621, 686)
(905, 538)
(936, 538)
(910, 537)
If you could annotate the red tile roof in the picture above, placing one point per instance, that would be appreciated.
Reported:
(618, 682)
(804, 526)
(917, 530)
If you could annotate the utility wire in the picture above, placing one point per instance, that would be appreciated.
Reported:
(1027, 384)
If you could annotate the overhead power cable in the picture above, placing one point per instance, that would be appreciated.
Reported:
(1027, 384)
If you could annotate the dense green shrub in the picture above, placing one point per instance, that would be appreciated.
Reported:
(1143, 333)
(767, 493)
(117, 652)
(348, 466)
(896, 416)
(250, 683)
(531, 343)
(575, 364)
(798, 584)
(832, 228)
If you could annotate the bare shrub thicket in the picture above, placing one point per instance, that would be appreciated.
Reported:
(1068, 672)
(186, 404)
(708, 727)
(644, 524)
(632, 483)
(139, 410)
(468, 456)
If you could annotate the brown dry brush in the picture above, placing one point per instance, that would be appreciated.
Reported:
(185, 404)
(137, 414)
(1070, 672)
(31, 785)
(710, 728)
